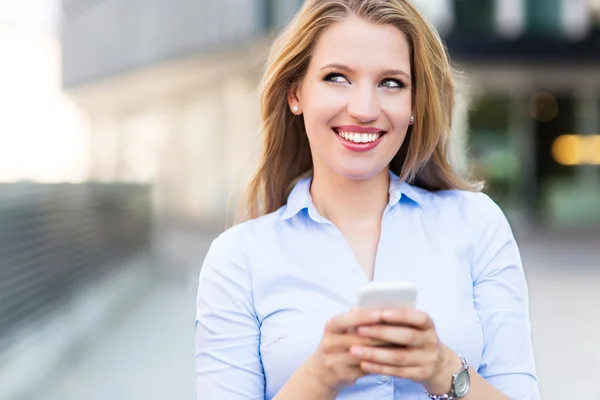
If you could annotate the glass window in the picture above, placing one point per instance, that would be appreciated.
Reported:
(492, 152)
(277, 13)
(440, 12)
(474, 16)
(595, 12)
(268, 15)
(543, 17)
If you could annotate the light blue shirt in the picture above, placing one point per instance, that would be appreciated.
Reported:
(268, 287)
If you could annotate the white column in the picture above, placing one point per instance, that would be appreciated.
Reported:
(509, 17)
(142, 137)
(440, 12)
(200, 155)
(240, 134)
(575, 18)
(104, 141)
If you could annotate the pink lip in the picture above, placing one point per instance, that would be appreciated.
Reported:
(358, 147)
(358, 129)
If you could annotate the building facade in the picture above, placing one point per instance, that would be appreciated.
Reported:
(170, 92)
(169, 88)
(533, 69)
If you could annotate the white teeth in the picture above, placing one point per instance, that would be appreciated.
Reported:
(359, 137)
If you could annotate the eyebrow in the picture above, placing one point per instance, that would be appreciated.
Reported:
(350, 70)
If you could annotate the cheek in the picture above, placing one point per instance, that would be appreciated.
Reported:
(320, 108)
(324, 104)
(398, 109)
(398, 114)
(399, 140)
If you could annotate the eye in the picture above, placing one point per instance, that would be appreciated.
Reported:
(335, 77)
(392, 84)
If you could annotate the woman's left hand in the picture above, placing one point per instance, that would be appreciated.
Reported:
(416, 352)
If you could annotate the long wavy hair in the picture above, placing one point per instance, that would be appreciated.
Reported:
(286, 157)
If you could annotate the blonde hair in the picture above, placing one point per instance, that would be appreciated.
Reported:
(423, 158)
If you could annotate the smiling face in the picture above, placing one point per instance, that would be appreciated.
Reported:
(356, 98)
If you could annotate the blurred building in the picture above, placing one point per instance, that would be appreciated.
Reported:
(170, 91)
(533, 87)
(64, 242)
(50, 147)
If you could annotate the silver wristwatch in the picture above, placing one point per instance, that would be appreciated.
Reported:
(461, 381)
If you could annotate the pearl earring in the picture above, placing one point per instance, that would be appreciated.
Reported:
(295, 109)
(412, 119)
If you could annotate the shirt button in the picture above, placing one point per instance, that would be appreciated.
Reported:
(384, 378)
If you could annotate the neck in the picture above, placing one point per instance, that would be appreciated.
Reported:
(340, 199)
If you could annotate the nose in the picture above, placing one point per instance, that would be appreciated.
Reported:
(364, 104)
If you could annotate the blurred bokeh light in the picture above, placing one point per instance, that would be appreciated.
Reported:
(543, 107)
(577, 149)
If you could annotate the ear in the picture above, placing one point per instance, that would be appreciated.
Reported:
(294, 98)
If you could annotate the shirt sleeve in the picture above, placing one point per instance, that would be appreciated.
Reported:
(502, 301)
(227, 359)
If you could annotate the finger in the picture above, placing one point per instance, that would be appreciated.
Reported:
(344, 366)
(353, 318)
(416, 373)
(399, 335)
(335, 342)
(407, 316)
(395, 357)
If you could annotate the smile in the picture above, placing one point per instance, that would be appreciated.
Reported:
(357, 137)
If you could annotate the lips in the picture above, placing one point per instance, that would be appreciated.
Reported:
(358, 135)
(359, 139)
(358, 129)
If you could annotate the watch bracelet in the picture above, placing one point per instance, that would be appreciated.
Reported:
(441, 397)
(447, 396)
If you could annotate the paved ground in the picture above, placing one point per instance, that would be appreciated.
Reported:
(149, 355)
(564, 283)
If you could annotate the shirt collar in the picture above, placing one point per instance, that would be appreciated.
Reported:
(300, 199)
(400, 189)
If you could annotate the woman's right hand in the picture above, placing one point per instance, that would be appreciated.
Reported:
(333, 363)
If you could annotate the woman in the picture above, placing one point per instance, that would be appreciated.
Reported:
(355, 185)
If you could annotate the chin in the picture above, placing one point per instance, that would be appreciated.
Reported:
(360, 173)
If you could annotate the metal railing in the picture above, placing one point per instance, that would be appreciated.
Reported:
(55, 239)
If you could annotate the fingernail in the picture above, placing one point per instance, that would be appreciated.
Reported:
(387, 314)
(376, 314)
(357, 350)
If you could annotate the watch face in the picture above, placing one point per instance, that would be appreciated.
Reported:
(462, 382)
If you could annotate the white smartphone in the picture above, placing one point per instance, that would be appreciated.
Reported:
(387, 294)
